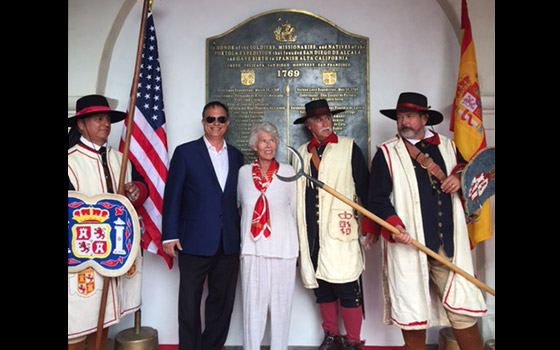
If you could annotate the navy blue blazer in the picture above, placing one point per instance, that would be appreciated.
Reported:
(195, 210)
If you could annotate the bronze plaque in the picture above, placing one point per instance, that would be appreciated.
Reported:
(268, 67)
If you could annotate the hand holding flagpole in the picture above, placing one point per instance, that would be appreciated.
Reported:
(130, 113)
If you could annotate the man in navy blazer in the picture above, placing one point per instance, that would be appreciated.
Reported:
(201, 222)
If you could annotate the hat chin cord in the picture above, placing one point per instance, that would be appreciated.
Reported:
(431, 126)
(428, 123)
(96, 147)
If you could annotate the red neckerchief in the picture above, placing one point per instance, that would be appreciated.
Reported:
(434, 140)
(260, 223)
(314, 143)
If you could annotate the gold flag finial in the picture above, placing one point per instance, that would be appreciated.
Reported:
(150, 3)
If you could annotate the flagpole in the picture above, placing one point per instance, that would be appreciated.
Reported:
(132, 106)
(106, 280)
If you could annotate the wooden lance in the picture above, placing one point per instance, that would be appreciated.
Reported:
(383, 223)
(130, 115)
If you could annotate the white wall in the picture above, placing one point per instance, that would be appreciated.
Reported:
(413, 47)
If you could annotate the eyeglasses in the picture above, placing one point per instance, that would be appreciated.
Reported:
(210, 120)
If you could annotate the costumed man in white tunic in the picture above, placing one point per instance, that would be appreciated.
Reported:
(269, 242)
(421, 200)
(94, 168)
(332, 258)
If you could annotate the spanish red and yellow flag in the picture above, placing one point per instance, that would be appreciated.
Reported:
(466, 119)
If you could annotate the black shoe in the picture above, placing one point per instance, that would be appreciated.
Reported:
(332, 342)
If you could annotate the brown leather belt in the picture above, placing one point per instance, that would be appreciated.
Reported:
(315, 158)
(425, 161)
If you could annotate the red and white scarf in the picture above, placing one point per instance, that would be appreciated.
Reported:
(260, 225)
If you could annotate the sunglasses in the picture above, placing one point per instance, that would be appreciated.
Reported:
(210, 120)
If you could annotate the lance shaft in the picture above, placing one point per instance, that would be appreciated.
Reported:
(129, 117)
(381, 222)
(415, 243)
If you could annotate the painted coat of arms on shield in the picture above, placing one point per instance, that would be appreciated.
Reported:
(103, 233)
(478, 180)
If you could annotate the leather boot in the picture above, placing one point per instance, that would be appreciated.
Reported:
(351, 345)
(468, 338)
(332, 342)
(91, 339)
(414, 340)
(79, 345)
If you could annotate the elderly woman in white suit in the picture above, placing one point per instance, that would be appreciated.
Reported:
(269, 243)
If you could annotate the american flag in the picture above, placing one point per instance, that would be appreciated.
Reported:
(148, 141)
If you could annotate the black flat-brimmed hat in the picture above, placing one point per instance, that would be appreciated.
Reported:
(414, 100)
(92, 104)
(315, 108)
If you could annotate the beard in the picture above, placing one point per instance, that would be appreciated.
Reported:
(408, 132)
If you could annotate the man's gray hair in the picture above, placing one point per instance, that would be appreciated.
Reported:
(266, 127)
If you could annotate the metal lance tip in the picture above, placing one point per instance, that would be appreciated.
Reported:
(300, 172)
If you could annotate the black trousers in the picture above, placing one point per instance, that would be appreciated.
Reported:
(348, 294)
(221, 271)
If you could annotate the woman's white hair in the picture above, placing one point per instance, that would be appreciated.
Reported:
(266, 127)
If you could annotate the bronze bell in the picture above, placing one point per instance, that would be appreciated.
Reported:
(137, 338)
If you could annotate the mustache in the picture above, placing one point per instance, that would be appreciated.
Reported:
(405, 128)
(326, 128)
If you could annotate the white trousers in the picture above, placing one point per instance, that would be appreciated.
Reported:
(267, 285)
